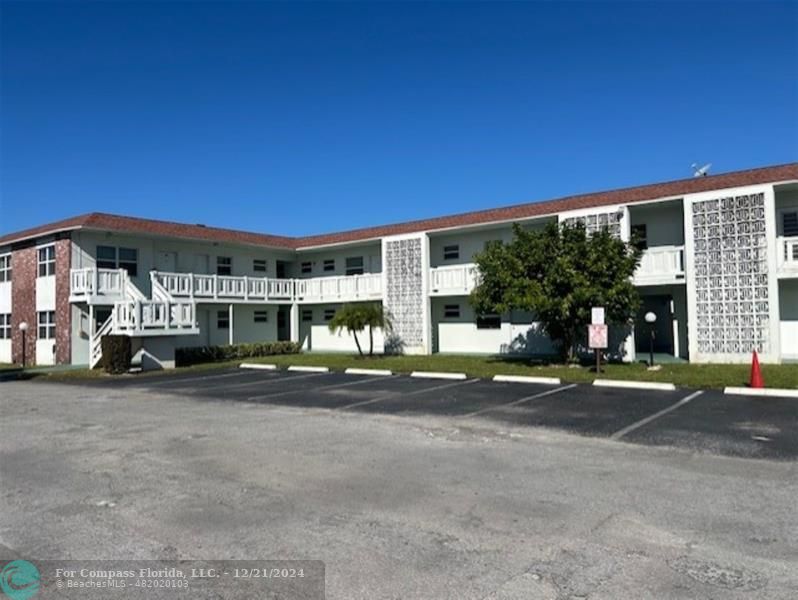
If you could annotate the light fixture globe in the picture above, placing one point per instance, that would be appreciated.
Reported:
(23, 326)
(651, 317)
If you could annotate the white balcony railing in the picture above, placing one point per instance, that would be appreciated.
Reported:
(223, 288)
(788, 254)
(455, 280)
(661, 264)
(339, 289)
(143, 317)
(211, 288)
(106, 283)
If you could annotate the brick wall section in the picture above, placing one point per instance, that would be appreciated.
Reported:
(23, 303)
(63, 310)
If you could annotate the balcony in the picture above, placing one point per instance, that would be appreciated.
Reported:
(661, 265)
(97, 286)
(153, 317)
(349, 288)
(223, 288)
(455, 280)
(787, 249)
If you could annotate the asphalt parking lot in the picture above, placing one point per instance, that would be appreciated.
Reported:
(704, 421)
(408, 488)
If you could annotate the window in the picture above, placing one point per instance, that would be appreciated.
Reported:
(789, 221)
(329, 313)
(489, 321)
(46, 261)
(111, 257)
(451, 252)
(106, 257)
(451, 311)
(224, 265)
(261, 316)
(329, 264)
(307, 314)
(222, 319)
(259, 265)
(640, 236)
(47, 325)
(5, 326)
(354, 265)
(129, 260)
(306, 268)
(5, 267)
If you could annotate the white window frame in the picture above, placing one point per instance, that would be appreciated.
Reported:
(306, 267)
(47, 263)
(259, 265)
(5, 326)
(5, 267)
(329, 313)
(307, 315)
(45, 319)
(328, 265)
(222, 319)
(260, 316)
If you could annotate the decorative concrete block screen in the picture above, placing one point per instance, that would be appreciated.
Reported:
(404, 293)
(611, 221)
(731, 275)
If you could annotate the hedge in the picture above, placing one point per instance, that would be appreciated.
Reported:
(116, 353)
(204, 354)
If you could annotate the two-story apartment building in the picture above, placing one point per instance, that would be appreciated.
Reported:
(720, 270)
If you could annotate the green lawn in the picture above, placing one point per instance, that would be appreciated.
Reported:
(685, 375)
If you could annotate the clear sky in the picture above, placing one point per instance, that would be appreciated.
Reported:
(298, 118)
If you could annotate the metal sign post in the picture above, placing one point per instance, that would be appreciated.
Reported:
(597, 334)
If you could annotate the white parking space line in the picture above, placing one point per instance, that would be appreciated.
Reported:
(166, 381)
(619, 434)
(521, 401)
(267, 380)
(402, 393)
(312, 390)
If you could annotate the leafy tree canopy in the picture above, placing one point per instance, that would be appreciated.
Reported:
(559, 273)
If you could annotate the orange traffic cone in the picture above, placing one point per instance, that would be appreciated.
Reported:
(756, 374)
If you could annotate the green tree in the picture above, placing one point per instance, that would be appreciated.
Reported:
(559, 273)
(356, 317)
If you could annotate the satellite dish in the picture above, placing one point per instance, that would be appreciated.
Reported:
(701, 171)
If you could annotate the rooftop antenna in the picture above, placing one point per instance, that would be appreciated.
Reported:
(701, 171)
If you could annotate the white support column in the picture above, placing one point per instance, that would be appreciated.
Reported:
(294, 322)
(232, 325)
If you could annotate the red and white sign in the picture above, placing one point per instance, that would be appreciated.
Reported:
(597, 336)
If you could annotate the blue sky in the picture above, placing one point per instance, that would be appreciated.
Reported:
(300, 118)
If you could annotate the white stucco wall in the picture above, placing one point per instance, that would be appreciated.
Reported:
(315, 336)
(664, 222)
(371, 253)
(5, 351)
(518, 334)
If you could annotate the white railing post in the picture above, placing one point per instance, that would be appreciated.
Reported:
(246, 288)
(138, 321)
(95, 280)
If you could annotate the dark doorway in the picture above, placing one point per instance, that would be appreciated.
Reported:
(662, 306)
(283, 314)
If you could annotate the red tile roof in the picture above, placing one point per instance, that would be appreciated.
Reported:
(106, 222)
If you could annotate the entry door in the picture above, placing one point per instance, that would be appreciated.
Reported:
(45, 352)
(660, 305)
(166, 261)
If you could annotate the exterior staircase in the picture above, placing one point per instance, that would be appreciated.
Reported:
(137, 316)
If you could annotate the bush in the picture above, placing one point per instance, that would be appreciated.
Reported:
(203, 354)
(116, 354)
